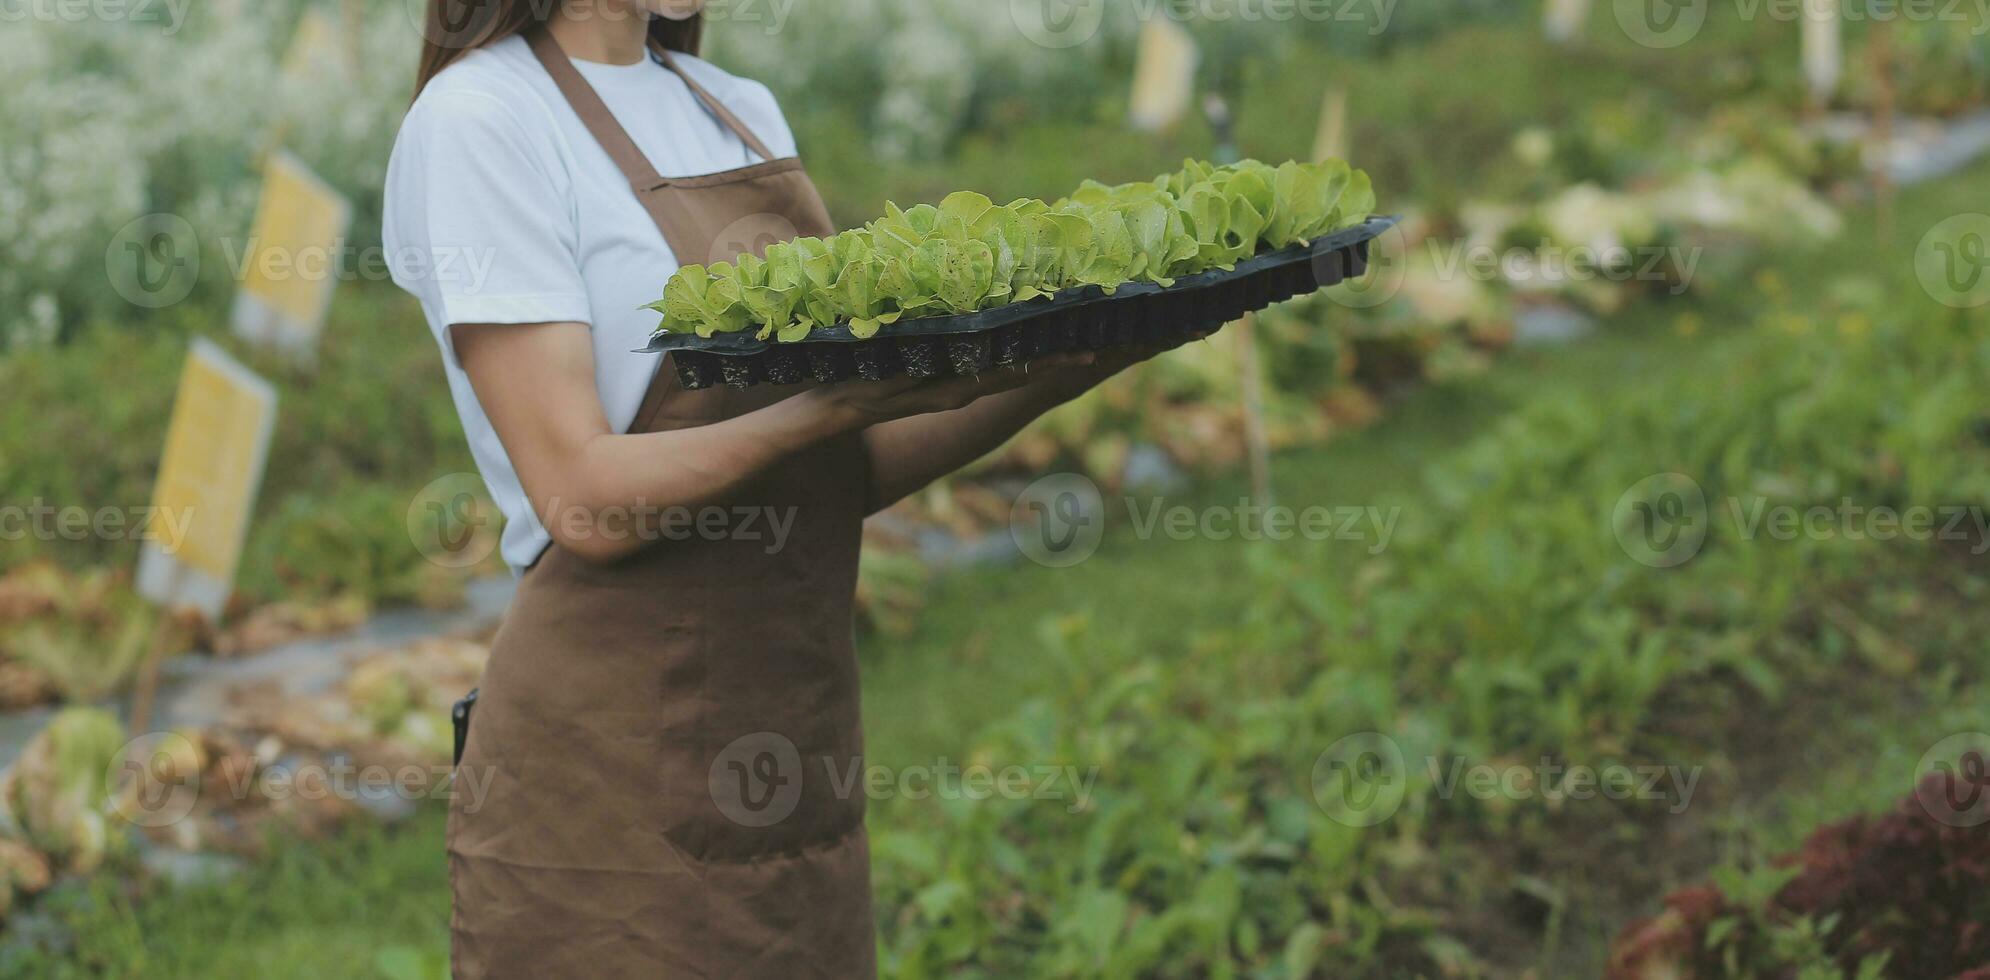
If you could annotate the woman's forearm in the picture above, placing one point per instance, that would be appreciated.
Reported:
(604, 495)
(908, 454)
(618, 493)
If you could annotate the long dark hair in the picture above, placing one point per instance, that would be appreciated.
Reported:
(454, 28)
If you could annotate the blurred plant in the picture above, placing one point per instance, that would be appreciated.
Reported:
(891, 588)
(409, 963)
(77, 89)
(1499, 625)
(1901, 894)
(54, 794)
(1940, 67)
(81, 636)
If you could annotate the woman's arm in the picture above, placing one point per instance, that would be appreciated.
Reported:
(601, 494)
(908, 454)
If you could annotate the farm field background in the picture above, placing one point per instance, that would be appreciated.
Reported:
(1255, 756)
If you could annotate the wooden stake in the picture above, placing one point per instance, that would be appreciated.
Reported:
(1883, 110)
(1823, 54)
(147, 688)
(1564, 19)
(355, 34)
(1330, 142)
(1257, 441)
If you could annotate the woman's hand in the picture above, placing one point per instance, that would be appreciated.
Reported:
(1074, 380)
(861, 404)
(908, 453)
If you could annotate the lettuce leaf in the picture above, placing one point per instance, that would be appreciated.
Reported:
(968, 253)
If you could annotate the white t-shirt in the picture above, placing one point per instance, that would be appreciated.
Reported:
(502, 208)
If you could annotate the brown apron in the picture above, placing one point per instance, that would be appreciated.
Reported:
(646, 790)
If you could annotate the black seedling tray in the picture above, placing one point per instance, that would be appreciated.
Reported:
(1075, 320)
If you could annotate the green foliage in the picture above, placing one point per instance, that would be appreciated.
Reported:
(357, 437)
(1506, 621)
(970, 254)
(54, 796)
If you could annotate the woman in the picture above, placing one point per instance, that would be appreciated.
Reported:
(643, 792)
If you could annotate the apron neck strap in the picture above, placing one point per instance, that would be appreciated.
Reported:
(595, 115)
(715, 107)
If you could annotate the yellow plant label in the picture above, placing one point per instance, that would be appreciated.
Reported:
(1823, 48)
(317, 49)
(1330, 141)
(1564, 19)
(1164, 75)
(292, 260)
(216, 446)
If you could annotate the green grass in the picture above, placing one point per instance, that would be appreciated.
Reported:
(309, 912)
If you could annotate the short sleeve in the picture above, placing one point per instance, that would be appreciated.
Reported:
(479, 224)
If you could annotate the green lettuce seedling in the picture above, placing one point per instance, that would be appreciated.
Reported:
(969, 254)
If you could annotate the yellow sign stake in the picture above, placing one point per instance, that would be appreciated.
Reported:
(291, 264)
(317, 49)
(1823, 49)
(1331, 141)
(216, 446)
(1564, 19)
(1164, 75)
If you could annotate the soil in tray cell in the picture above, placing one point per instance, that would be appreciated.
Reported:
(969, 354)
(830, 362)
(876, 360)
(921, 356)
(695, 370)
(785, 366)
(1011, 345)
(1061, 335)
(740, 372)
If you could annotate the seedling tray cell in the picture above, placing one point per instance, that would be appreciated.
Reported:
(1077, 320)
